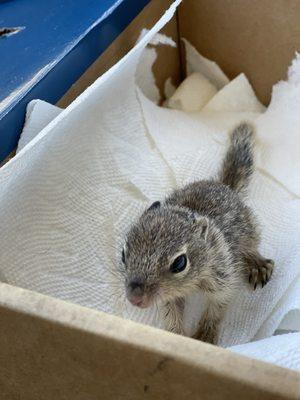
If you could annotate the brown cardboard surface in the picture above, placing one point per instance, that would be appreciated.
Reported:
(54, 350)
(257, 37)
(167, 63)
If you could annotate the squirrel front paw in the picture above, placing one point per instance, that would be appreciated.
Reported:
(206, 333)
(261, 272)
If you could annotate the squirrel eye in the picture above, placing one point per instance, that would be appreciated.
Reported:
(179, 264)
(123, 256)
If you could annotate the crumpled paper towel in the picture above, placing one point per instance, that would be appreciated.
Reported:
(70, 194)
(194, 92)
(38, 115)
(283, 350)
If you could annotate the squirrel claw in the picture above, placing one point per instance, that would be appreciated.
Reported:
(261, 272)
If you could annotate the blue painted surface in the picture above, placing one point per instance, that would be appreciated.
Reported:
(60, 40)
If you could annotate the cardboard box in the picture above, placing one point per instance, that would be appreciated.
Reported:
(51, 349)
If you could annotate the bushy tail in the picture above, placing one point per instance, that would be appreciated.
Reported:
(238, 163)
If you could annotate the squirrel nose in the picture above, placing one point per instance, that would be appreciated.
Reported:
(135, 293)
(136, 287)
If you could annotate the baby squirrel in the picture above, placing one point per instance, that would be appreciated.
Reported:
(202, 237)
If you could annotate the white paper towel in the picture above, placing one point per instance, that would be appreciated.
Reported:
(193, 93)
(38, 115)
(283, 350)
(69, 195)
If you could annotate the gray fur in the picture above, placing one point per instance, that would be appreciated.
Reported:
(208, 221)
(238, 163)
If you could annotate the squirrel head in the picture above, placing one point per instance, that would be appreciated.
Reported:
(166, 253)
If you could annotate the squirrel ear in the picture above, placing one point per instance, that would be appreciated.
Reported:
(203, 224)
(154, 205)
